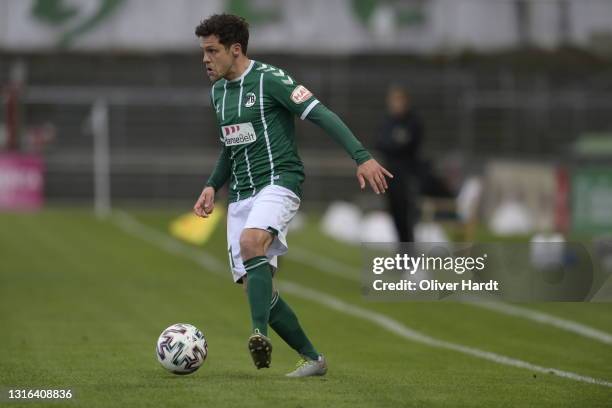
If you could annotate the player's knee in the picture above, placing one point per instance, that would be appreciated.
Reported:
(252, 243)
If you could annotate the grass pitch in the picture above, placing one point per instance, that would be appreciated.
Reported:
(82, 303)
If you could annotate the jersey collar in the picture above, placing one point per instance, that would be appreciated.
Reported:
(244, 74)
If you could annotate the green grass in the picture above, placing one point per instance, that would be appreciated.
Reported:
(82, 303)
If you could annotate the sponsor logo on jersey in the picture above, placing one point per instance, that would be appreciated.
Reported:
(249, 100)
(241, 133)
(300, 94)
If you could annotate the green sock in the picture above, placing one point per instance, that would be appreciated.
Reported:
(285, 323)
(259, 291)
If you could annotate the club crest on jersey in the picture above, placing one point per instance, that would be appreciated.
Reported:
(241, 133)
(249, 100)
(300, 94)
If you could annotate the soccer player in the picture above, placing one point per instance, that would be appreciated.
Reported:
(256, 104)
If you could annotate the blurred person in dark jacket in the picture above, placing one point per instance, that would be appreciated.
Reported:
(400, 142)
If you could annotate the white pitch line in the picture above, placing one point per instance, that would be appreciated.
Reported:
(544, 318)
(334, 267)
(322, 263)
(401, 330)
(133, 227)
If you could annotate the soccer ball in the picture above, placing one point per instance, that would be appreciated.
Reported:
(181, 348)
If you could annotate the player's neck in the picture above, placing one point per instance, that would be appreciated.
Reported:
(242, 64)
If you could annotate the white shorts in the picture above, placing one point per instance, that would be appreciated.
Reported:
(271, 209)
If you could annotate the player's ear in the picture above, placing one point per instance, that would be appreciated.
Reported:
(236, 50)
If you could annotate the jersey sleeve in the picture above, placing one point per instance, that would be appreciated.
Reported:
(221, 171)
(337, 129)
(293, 96)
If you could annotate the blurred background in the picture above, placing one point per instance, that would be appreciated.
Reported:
(105, 103)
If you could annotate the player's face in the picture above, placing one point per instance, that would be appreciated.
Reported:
(218, 60)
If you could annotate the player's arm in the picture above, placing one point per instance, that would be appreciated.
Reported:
(219, 176)
(299, 100)
(221, 173)
(368, 169)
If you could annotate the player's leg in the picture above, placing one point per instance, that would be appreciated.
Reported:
(285, 323)
(238, 213)
(254, 244)
(272, 210)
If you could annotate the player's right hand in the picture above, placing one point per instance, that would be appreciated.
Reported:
(206, 203)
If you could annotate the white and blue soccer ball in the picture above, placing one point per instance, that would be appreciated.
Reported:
(181, 348)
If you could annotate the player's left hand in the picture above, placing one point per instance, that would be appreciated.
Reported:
(375, 174)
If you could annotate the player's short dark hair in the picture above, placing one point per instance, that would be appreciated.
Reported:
(229, 28)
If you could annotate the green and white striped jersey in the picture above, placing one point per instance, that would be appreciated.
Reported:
(256, 113)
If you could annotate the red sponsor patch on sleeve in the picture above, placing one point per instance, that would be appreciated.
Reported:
(300, 94)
